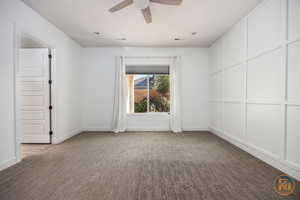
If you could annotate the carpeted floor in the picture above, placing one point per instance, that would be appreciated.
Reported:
(141, 166)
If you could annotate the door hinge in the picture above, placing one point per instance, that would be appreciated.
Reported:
(51, 133)
(49, 56)
(50, 82)
(50, 107)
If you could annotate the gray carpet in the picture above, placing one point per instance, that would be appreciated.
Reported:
(141, 166)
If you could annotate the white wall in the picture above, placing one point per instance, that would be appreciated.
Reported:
(7, 137)
(98, 88)
(15, 18)
(255, 79)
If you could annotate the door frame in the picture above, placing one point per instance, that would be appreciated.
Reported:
(18, 34)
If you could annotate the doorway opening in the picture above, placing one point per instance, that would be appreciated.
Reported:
(34, 96)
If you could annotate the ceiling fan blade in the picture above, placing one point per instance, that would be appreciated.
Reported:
(167, 2)
(147, 15)
(121, 5)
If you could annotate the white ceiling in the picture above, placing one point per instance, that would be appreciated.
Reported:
(80, 18)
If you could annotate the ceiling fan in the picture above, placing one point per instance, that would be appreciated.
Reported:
(144, 6)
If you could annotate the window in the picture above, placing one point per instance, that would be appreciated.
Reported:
(148, 92)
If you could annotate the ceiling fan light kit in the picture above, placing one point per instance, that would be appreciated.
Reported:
(141, 4)
(144, 5)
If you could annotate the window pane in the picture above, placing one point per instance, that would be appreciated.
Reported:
(159, 98)
(140, 93)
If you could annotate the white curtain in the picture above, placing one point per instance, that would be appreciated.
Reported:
(175, 106)
(120, 99)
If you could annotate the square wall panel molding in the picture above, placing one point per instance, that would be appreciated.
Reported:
(294, 71)
(257, 63)
(266, 27)
(265, 77)
(294, 19)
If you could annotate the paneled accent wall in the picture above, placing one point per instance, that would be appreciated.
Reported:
(255, 84)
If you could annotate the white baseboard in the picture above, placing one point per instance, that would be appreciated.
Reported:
(8, 163)
(147, 129)
(96, 129)
(106, 129)
(279, 164)
(195, 129)
(69, 135)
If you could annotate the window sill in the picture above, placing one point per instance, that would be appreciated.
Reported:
(149, 114)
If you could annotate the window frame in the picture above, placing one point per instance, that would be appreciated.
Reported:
(150, 60)
(148, 100)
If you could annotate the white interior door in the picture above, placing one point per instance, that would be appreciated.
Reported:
(33, 96)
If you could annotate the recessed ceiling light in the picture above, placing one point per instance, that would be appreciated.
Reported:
(97, 33)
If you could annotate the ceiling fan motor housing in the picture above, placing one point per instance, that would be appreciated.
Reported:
(141, 4)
